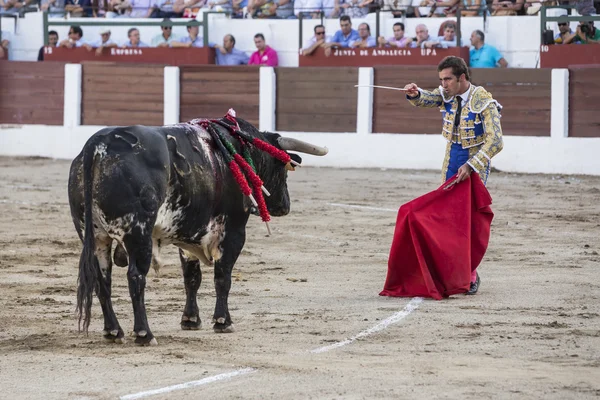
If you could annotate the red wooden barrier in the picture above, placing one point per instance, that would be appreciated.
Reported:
(146, 55)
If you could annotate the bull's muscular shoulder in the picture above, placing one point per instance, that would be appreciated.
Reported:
(481, 99)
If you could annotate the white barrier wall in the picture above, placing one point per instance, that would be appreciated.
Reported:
(361, 149)
(517, 38)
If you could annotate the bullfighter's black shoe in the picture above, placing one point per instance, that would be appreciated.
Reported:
(474, 286)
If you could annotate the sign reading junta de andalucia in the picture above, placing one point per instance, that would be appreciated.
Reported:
(383, 52)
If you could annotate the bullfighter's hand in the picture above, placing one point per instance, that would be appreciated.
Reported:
(463, 173)
(412, 90)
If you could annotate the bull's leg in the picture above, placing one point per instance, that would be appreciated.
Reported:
(112, 329)
(139, 249)
(192, 278)
(232, 246)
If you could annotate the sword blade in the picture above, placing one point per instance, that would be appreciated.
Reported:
(381, 87)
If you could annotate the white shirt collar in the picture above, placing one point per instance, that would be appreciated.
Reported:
(464, 96)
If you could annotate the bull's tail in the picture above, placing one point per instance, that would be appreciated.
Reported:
(88, 264)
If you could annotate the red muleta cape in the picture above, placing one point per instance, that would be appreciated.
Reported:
(439, 239)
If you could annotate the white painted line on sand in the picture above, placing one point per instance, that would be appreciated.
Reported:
(400, 315)
(363, 207)
(190, 384)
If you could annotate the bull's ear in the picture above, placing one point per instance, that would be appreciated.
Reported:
(296, 157)
(272, 138)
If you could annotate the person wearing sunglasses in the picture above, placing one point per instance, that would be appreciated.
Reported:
(165, 38)
(564, 30)
(317, 40)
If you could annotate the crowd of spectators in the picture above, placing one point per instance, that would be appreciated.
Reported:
(482, 55)
(226, 53)
(288, 9)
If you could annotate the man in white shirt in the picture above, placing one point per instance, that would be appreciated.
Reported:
(316, 41)
(104, 42)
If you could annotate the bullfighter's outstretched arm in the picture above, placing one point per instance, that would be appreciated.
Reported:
(427, 98)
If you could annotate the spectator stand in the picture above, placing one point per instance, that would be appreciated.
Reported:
(565, 55)
(165, 56)
(374, 56)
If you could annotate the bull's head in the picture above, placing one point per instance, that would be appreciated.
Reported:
(275, 181)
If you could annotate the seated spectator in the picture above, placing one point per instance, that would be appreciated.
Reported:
(507, 7)
(474, 8)
(396, 41)
(55, 8)
(284, 9)
(345, 35)
(119, 9)
(422, 36)
(75, 38)
(439, 8)
(17, 7)
(104, 42)
(228, 54)
(365, 39)
(237, 8)
(79, 8)
(355, 8)
(585, 7)
(585, 33)
(445, 41)
(141, 8)
(52, 42)
(264, 55)
(483, 55)
(318, 40)
(4, 44)
(166, 9)
(260, 9)
(193, 39)
(218, 5)
(134, 39)
(331, 8)
(564, 31)
(165, 38)
(398, 8)
(310, 9)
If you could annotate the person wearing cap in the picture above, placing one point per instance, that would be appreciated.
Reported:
(166, 37)
(104, 41)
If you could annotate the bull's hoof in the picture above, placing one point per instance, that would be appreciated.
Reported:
(114, 336)
(223, 328)
(191, 323)
(144, 338)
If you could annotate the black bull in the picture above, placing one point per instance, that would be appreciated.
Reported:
(146, 187)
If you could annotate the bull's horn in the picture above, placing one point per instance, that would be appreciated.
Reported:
(290, 144)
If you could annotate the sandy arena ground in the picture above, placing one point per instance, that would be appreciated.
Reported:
(533, 331)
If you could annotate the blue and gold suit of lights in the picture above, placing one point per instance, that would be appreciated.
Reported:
(478, 136)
